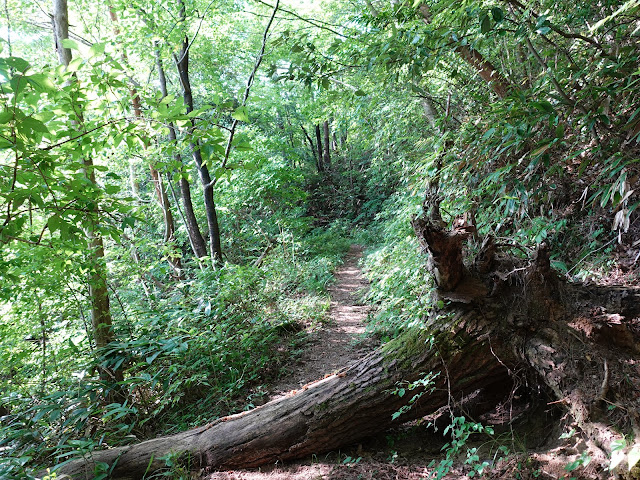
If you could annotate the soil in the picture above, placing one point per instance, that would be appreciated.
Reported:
(412, 451)
(341, 340)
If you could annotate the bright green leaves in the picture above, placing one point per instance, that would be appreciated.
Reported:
(49, 125)
(69, 43)
(241, 114)
(97, 49)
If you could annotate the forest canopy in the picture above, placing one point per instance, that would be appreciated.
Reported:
(178, 181)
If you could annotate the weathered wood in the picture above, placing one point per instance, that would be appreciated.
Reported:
(338, 410)
(515, 320)
(444, 248)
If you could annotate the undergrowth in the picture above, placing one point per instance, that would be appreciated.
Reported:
(193, 353)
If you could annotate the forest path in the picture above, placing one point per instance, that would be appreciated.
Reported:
(339, 342)
(404, 452)
(336, 344)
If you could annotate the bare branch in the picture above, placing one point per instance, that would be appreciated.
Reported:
(247, 89)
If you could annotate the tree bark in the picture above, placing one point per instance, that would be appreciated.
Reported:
(485, 69)
(319, 145)
(215, 246)
(101, 321)
(312, 146)
(430, 113)
(338, 410)
(503, 320)
(196, 239)
(326, 159)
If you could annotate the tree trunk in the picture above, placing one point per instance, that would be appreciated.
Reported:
(430, 113)
(196, 239)
(487, 71)
(338, 410)
(101, 321)
(504, 319)
(159, 188)
(319, 145)
(312, 146)
(209, 203)
(326, 159)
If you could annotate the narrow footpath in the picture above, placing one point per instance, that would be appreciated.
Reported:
(397, 455)
(340, 341)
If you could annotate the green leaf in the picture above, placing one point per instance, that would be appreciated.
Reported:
(243, 146)
(488, 133)
(75, 64)
(485, 24)
(241, 114)
(359, 93)
(17, 63)
(497, 13)
(34, 125)
(543, 106)
(152, 357)
(542, 25)
(128, 222)
(97, 48)
(72, 44)
(5, 116)
(41, 82)
(54, 223)
(168, 99)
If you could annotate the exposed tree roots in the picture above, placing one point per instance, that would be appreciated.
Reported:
(505, 321)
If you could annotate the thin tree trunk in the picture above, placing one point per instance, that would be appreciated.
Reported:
(191, 223)
(101, 321)
(485, 69)
(312, 146)
(321, 166)
(210, 207)
(326, 159)
(160, 191)
(430, 113)
(197, 240)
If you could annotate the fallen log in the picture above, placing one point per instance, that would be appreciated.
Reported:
(341, 409)
(500, 320)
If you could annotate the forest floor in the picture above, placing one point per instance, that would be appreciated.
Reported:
(341, 340)
(407, 451)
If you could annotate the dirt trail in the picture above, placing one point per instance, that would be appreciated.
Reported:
(403, 453)
(340, 342)
(337, 344)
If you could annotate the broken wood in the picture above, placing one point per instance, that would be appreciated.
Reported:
(514, 323)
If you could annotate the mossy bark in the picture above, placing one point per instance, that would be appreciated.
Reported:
(516, 323)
